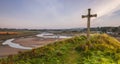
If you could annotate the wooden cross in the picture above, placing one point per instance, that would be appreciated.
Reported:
(88, 21)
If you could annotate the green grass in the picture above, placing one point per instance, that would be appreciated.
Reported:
(101, 49)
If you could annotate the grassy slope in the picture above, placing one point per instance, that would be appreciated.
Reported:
(101, 49)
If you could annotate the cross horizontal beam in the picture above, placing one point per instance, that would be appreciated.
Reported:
(94, 15)
(85, 16)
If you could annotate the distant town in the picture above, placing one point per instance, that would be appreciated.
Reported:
(114, 31)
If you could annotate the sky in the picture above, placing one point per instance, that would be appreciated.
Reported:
(58, 14)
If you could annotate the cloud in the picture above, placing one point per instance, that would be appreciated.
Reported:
(107, 7)
(59, 13)
(105, 10)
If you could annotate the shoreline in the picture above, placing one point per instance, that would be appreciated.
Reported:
(33, 42)
(10, 43)
(6, 50)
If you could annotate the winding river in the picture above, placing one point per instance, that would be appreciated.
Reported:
(14, 45)
(10, 42)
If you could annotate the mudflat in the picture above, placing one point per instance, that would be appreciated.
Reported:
(6, 50)
(32, 42)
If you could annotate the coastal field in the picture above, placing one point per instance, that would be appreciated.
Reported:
(6, 50)
(22, 38)
(101, 49)
(32, 42)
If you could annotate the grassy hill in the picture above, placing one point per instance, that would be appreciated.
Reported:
(101, 49)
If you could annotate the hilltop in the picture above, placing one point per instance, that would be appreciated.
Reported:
(101, 49)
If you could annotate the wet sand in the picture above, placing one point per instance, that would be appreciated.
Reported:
(6, 50)
(33, 42)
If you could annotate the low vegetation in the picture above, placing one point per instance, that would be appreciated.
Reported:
(100, 49)
(4, 35)
(8, 33)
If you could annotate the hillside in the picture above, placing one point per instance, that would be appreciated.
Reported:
(101, 49)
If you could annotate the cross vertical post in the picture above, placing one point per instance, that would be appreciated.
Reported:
(88, 21)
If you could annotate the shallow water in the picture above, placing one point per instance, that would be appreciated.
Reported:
(14, 45)
(52, 36)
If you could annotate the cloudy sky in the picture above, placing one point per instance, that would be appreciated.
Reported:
(45, 14)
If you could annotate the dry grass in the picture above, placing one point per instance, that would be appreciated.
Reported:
(8, 33)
